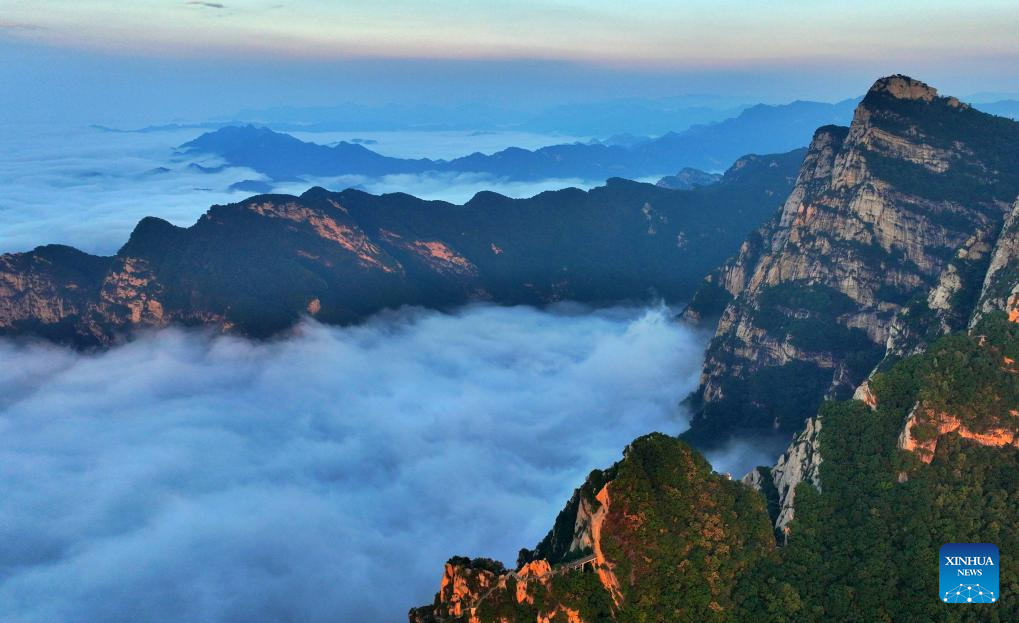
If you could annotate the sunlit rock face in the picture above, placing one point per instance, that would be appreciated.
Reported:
(257, 266)
(882, 244)
(942, 424)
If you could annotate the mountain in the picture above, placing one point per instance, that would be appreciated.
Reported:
(661, 535)
(760, 129)
(930, 459)
(688, 178)
(1002, 108)
(883, 242)
(256, 267)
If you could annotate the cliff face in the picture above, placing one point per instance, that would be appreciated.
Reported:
(255, 267)
(1000, 290)
(658, 523)
(886, 234)
(800, 463)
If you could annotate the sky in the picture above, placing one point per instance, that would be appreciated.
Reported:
(151, 60)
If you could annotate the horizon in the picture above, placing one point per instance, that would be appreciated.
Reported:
(151, 62)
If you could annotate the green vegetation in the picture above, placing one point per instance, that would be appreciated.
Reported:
(807, 315)
(680, 534)
(710, 300)
(809, 297)
(864, 548)
(481, 564)
(786, 395)
(970, 380)
(963, 182)
(991, 141)
(690, 545)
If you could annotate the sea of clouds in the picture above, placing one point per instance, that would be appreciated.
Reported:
(325, 476)
(87, 187)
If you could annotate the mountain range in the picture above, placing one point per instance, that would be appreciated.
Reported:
(864, 295)
(759, 129)
(257, 266)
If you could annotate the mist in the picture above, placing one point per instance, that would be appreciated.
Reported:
(88, 188)
(325, 476)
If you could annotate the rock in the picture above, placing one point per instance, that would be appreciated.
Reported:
(800, 463)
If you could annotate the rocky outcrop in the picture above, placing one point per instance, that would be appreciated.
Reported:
(257, 266)
(51, 292)
(1000, 289)
(464, 583)
(936, 425)
(470, 590)
(800, 463)
(896, 213)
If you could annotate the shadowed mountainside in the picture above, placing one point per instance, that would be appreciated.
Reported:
(256, 266)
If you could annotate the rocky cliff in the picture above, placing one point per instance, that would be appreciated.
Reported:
(257, 266)
(1000, 289)
(886, 234)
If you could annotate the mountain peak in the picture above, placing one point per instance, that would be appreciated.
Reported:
(904, 87)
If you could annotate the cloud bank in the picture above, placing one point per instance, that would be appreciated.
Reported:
(323, 477)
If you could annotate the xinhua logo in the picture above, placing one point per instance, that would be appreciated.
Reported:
(968, 573)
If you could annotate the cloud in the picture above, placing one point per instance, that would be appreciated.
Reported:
(323, 477)
(88, 188)
(19, 26)
(208, 5)
(739, 455)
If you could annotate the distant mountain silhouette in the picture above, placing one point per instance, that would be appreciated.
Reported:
(759, 129)
(1002, 108)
